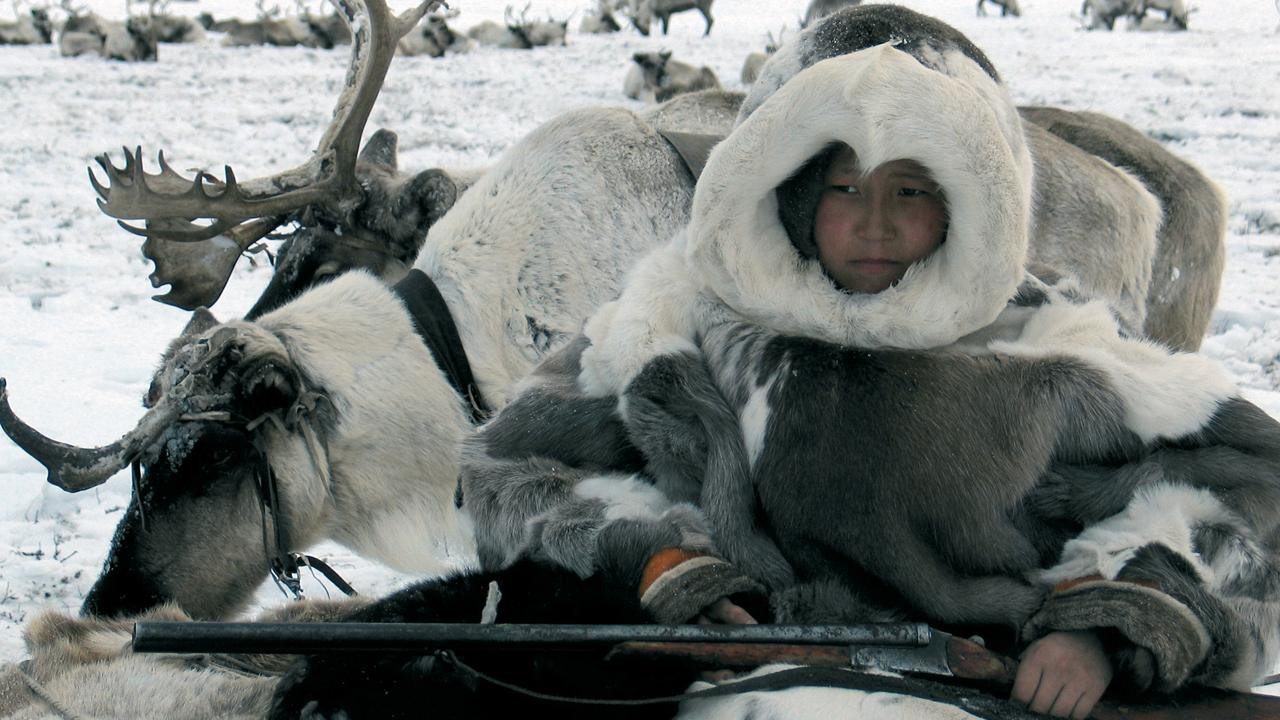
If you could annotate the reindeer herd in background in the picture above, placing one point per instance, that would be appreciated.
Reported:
(654, 76)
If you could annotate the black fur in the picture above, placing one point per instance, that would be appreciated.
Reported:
(429, 685)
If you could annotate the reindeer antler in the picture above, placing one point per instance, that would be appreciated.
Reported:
(242, 213)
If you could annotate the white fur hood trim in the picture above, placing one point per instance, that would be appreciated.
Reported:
(885, 105)
(735, 260)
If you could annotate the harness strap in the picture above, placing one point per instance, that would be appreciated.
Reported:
(434, 323)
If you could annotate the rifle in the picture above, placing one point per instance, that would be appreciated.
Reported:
(914, 649)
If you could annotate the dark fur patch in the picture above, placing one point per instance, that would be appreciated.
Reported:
(857, 28)
(405, 686)
(912, 467)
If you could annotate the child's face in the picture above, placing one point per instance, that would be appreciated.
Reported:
(869, 229)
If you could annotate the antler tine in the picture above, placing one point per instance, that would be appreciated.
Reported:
(372, 49)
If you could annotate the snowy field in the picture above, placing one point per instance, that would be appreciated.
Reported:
(79, 335)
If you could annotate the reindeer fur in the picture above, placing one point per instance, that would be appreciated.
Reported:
(1187, 269)
(87, 667)
(131, 40)
(819, 9)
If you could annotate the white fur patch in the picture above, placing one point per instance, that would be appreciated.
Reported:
(630, 499)
(754, 418)
(1167, 395)
(1163, 514)
(655, 316)
(391, 401)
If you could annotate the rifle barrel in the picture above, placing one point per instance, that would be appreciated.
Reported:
(305, 638)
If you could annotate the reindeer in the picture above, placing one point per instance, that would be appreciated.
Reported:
(751, 66)
(654, 76)
(33, 30)
(644, 11)
(1104, 13)
(131, 40)
(170, 28)
(269, 29)
(519, 33)
(600, 19)
(1007, 7)
(433, 37)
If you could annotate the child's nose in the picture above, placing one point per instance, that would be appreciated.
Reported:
(877, 223)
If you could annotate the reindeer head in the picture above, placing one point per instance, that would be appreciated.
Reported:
(383, 235)
(196, 228)
(653, 65)
(194, 509)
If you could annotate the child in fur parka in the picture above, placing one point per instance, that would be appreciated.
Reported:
(934, 435)
(769, 425)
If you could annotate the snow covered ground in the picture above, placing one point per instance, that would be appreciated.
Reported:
(79, 335)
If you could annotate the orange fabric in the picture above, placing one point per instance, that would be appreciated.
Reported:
(662, 561)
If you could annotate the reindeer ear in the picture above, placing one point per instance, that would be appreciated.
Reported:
(380, 149)
(201, 320)
(434, 191)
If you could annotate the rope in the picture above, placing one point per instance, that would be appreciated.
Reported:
(42, 694)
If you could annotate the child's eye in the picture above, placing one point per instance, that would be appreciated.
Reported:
(914, 192)
(844, 189)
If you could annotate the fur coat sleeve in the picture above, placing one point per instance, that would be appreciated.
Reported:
(563, 476)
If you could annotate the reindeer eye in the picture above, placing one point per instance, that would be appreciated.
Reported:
(327, 270)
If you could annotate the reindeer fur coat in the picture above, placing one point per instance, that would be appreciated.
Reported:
(972, 446)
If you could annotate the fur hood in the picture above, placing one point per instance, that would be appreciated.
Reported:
(736, 261)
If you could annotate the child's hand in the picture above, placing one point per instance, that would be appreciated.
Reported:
(1063, 674)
